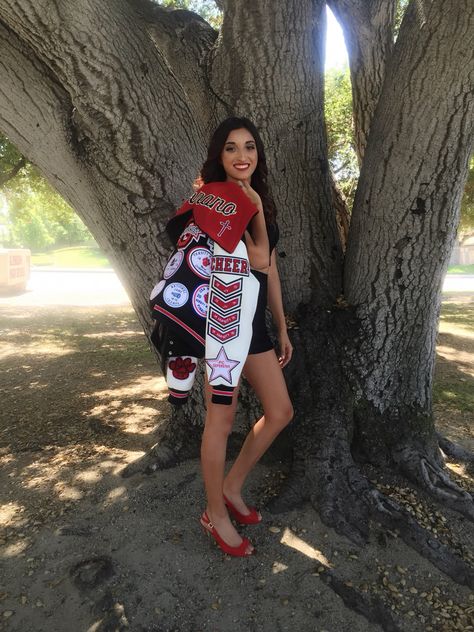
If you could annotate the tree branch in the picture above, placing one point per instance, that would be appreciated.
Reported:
(411, 181)
(95, 104)
(185, 39)
(5, 177)
(368, 33)
(34, 112)
(132, 116)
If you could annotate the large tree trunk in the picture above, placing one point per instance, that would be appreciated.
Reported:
(104, 117)
(404, 221)
(286, 101)
(117, 118)
(403, 224)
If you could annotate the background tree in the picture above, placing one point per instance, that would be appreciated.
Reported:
(11, 161)
(466, 224)
(38, 216)
(115, 102)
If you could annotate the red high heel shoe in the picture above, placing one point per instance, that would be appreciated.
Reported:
(253, 517)
(236, 551)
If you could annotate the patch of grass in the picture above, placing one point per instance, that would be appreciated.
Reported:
(73, 257)
(453, 387)
(42, 259)
(460, 314)
(457, 394)
(459, 269)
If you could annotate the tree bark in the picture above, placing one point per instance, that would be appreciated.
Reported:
(276, 74)
(185, 39)
(368, 34)
(126, 139)
(404, 221)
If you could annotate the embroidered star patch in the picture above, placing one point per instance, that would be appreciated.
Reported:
(221, 366)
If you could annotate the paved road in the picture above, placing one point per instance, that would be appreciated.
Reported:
(459, 283)
(68, 287)
(48, 287)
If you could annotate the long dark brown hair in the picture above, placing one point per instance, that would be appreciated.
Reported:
(213, 171)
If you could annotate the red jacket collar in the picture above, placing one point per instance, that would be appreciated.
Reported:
(221, 210)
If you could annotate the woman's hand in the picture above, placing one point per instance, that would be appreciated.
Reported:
(286, 349)
(251, 193)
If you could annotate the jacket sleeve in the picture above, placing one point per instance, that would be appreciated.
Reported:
(233, 294)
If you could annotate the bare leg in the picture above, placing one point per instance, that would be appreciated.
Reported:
(219, 421)
(265, 376)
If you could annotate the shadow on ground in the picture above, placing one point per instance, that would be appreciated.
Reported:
(84, 549)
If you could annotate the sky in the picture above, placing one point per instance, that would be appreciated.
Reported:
(336, 54)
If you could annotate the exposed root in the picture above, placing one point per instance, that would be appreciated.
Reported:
(394, 516)
(339, 503)
(178, 439)
(293, 493)
(432, 478)
(368, 605)
(456, 452)
(347, 501)
(159, 457)
(343, 510)
(334, 493)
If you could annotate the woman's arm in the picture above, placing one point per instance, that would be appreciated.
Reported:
(275, 303)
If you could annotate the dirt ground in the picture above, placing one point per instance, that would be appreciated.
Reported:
(83, 549)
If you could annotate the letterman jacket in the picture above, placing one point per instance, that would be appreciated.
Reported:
(207, 297)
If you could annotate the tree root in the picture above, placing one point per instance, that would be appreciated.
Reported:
(394, 516)
(369, 606)
(456, 452)
(431, 477)
(159, 457)
(293, 493)
(178, 439)
(347, 501)
(339, 504)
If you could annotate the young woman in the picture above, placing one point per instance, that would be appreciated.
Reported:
(236, 153)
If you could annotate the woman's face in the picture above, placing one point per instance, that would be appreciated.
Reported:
(239, 156)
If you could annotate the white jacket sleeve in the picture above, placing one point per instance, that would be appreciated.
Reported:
(232, 300)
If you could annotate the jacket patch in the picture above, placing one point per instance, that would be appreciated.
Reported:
(222, 336)
(199, 260)
(190, 233)
(224, 321)
(173, 264)
(221, 366)
(225, 306)
(232, 265)
(224, 315)
(182, 367)
(175, 295)
(226, 289)
(157, 289)
(200, 297)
